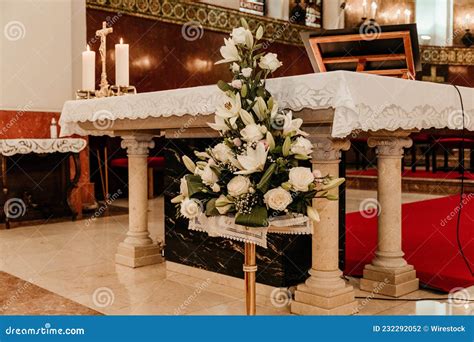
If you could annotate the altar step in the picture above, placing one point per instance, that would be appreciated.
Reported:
(439, 183)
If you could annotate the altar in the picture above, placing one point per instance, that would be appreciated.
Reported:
(334, 106)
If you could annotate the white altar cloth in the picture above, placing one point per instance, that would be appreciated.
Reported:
(224, 226)
(361, 101)
(10, 147)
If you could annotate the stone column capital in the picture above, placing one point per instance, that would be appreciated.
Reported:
(390, 147)
(328, 149)
(137, 145)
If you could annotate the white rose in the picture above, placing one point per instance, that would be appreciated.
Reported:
(241, 35)
(208, 176)
(222, 152)
(216, 187)
(190, 208)
(277, 199)
(317, 176)
(236, 84)
(300, 178)
(270, 62)
(246, 72)
(238, 185)
(302, 146)
(183, 187)
(235, 67)
(252, 133)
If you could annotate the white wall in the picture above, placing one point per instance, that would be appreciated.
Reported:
(40, 52)
(435, 19)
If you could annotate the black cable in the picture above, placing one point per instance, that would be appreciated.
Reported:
(458, 223)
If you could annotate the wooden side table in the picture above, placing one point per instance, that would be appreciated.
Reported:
(14, 208)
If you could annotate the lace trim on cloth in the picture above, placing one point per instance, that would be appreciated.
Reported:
(224, 226)
(360, 101)
(10, 147)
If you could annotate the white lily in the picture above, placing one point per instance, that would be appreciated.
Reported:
(254, 160)
(229, 52)
(293, 125)
(246, 117)
(274, 110)
(230, 110)
(218, 124)
(260, 108)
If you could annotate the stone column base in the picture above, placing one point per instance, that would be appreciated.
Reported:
(309, 301)
(138, 256)
(393, 282)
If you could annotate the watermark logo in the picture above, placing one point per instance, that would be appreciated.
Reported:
(192, 297)
(281, 297)
(370, 208)
(14, 208)
(457, 120)
(192, 30)
(103, 119)
(370, 31)
(14, 30)
(459, 296)
(103, 297)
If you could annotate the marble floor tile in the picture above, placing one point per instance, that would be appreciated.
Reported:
(75, 260)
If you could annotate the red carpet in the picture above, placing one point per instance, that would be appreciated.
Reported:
(417, 174)
(429, 241)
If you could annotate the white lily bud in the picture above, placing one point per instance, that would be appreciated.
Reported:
(246, 117)
(333, 184)
(313, 214)
(270, 140)
(189, 164)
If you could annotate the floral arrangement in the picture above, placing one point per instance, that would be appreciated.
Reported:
(258, 170)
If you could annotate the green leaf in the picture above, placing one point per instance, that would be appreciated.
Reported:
(301, 157)
(211, 209)
(265, 180)
(224, 86)
(257, 218)
(332, 197)
(286, 147)
(194, 184)
(244, 91)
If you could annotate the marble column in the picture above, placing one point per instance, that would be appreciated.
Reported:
(389, 273)
(138, 249)
(325, 292)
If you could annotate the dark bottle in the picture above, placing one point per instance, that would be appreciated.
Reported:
(313, 14)
(298, 14)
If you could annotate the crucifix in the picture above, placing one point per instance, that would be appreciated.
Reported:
(102, 33)
(434, 76)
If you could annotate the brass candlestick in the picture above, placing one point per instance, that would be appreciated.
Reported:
(119, 90)
(105, 89)
(250, 272)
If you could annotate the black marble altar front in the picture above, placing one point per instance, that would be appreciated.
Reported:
(284, 263)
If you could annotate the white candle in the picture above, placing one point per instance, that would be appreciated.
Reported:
(364, 9)
(373, 8)
(121, 64)
(88, 70)
(407, 16)
(53, 128)
(398, 16)
(467, 21)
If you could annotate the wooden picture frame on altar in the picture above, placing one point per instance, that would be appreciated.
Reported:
(256, 7)
(390, 50)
